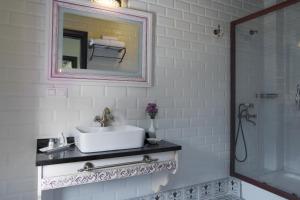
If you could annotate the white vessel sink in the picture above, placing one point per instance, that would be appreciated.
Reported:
(95, 139)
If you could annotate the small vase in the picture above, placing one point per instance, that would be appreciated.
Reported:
(151, 129)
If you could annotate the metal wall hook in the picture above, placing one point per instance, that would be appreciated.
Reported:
(218, 31)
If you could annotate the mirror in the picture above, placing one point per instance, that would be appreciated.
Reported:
(91, 42)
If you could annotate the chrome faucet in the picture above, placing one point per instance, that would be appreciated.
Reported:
(106, 119)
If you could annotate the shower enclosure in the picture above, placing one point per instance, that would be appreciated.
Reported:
(265, 99)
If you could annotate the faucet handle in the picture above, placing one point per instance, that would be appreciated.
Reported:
(97, 118)
(107, 113)
(106, 118)
(251, 121)
(107, 110)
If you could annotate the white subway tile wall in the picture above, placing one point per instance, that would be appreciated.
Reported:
(191, 88)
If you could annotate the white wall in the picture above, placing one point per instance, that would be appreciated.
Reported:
(191, 88)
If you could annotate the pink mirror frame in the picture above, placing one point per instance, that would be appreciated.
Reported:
(145, 18)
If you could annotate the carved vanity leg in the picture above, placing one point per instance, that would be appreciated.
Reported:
(39, 188)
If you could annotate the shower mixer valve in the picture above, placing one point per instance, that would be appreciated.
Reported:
(244, 113)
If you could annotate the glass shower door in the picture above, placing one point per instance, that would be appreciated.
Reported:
(266, 99)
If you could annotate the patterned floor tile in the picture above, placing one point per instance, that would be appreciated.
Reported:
(175, 195)
(159, 196)
(234, 187)
(223, 189)
(206, 190)
(191, 193)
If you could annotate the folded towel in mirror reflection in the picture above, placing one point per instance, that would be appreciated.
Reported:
(105, 37)
(105, 42)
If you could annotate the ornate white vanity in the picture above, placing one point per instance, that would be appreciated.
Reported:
(72, 168)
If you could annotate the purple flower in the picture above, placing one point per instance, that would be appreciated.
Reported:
(152, 110)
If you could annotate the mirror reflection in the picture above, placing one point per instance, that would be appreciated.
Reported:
(74, 49)
(99, 44)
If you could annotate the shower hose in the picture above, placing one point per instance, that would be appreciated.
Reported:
(240, 131)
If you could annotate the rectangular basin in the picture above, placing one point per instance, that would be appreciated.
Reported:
(95, 139)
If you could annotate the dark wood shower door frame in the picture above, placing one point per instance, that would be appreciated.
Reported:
(233, 25)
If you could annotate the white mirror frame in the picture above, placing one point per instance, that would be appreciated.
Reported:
(145, 18)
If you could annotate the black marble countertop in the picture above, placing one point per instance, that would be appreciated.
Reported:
(73, 154)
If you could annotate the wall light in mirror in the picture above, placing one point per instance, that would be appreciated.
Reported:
(108, 3)
(299, 44)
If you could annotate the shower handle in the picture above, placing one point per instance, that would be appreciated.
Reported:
(297, 98)
(249, 118)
